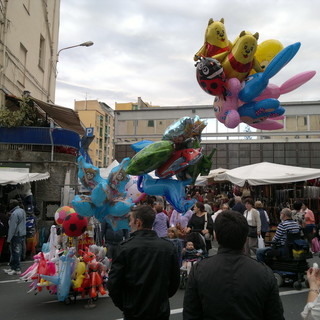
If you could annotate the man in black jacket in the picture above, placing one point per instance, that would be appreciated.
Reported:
(231, 285)
(145, 272)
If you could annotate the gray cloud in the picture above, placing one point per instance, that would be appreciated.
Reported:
(145, 48)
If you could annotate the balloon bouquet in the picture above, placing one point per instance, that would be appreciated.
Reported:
(66, 275)
(108, 199)
(178, 154)
(238, 75)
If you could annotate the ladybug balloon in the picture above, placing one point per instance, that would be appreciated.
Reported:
(211, 77)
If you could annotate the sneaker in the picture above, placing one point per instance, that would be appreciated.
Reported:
(13, 272)
(7, 270)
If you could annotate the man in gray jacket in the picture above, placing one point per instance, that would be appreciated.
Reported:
(16, 236)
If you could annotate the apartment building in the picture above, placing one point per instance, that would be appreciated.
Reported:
(29, 33)
(99, 118)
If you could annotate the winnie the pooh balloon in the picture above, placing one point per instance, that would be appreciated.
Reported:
(215, 40)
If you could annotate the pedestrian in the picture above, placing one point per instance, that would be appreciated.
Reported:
(243, 287)
(254, 222)
(16, 236)
(161, 221)
(239, 206)
(312, 308)
(265, 227)
(202, 223)
(112, 238)
(145, 273)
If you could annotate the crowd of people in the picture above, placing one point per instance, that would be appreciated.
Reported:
(148, 259)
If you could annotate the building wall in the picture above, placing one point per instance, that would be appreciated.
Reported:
(28, 48)
(298, 143)
(230, 155)
(98, 115)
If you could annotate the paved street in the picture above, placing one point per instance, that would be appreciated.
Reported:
(17, 304)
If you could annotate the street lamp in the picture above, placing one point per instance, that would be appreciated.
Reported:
(84, 44)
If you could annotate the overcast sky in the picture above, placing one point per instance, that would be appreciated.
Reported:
(145, 47)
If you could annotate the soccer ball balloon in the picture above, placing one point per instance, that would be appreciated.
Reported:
(62, 213)
(74, 225)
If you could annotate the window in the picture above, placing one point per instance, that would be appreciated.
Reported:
(151, 123)
(42, 49)
(22, 70)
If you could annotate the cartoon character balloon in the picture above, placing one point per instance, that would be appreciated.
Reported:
(108, 197)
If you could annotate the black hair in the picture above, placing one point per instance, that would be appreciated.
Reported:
(231, 229)
(146, 214)
(250, 201)
(297, 205)
(200, 206)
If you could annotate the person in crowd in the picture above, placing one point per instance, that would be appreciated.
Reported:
(312, 308)
(297, 214)
(208, 207)
(254, 222)
(180, 221)
(265, 226)
(112, 238)
(16, 236)
(4, 227)
(198, 196)
(223, 207)
(243, 287)
(310, 222)
(173, 236)
(201, 222)
(189, 253)
(146, 272)
(287, 225)
(239, 206)
(161, 222)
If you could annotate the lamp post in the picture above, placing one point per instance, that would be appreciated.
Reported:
(84, 44)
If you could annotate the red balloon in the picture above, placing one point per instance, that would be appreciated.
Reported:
(74, 225)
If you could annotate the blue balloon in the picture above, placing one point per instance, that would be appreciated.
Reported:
(173, 190)
(257, 82)
(63, 279)
(88, 174)
(260, 110)
(138, 146)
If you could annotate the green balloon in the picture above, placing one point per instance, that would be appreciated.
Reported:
(150, 157)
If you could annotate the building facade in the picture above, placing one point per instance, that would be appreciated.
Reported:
(99, 117)
(298, 143)
(29, 33)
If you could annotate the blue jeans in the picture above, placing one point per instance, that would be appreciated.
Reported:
(261, 254)
(16, 246)
(279, 251)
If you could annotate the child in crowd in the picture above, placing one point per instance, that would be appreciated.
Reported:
(190, 254)
(173, 236)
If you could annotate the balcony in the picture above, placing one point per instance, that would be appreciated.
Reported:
(41, 139)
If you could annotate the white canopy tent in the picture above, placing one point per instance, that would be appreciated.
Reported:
(203, 180)
(13, 177)
(267, 173)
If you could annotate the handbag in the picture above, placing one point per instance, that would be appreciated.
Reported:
(252, 232)
(261, 244)
(207, 236)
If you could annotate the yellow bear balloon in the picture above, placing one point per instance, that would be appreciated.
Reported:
(80, 271)
(266, 51)
(240, 60)
(215, 40)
